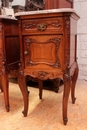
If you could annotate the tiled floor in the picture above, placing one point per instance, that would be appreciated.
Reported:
(45, 114)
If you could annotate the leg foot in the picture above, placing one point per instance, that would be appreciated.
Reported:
(24, 113)
(23, 88)
(73, 100)
(67, 85)
(65, 121)
(7, 108)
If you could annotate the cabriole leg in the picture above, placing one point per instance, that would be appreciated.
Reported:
(5, 87)
(23, 88)
(74, 79)
(67, 84)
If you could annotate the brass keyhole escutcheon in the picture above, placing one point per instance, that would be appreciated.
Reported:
(41, 26)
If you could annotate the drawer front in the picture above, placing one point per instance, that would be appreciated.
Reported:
(44, 49)
(40, 26)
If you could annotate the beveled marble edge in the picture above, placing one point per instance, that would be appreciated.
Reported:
(7, 17)
(46, 11)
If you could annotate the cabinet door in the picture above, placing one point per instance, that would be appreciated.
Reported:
(43, 49)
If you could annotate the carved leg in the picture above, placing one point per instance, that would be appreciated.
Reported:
(67, 84)
(5, 87)
(74, 79)
(40, 88)
(23, 88)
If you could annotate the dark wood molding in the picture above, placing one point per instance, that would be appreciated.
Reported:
(71, 1)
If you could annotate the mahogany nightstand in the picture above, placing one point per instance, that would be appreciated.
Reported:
(48, 49)
(9, 53)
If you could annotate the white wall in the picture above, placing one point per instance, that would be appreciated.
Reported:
(81, 8)
(18, 2)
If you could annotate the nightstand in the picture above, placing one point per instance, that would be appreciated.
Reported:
(48, 50)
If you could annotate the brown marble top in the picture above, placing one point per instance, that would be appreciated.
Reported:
(60, 10)
(7, 17)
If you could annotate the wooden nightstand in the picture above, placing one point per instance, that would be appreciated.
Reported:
(9, 53)
(48, 50)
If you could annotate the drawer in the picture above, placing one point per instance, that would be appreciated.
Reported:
(41, 26)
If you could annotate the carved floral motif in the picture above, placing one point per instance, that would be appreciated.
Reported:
(67, 26)
(57, 24)
(29, 25)
(19, 27)
(67, 54)
(42, 75)
(65, 77)
(2, 61)
(67, 49)
(57, 43)
(28, 41)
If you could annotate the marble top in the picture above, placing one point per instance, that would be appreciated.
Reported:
(60, 10)
(7, 17)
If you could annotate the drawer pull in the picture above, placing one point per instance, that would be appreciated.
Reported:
(41, 26)
(26, 52)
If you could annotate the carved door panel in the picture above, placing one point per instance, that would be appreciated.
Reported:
(44, 49)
